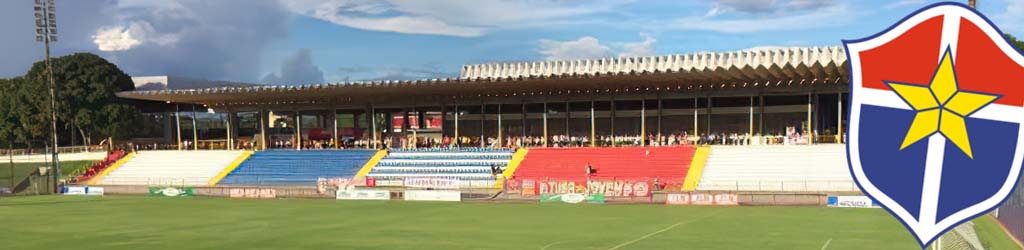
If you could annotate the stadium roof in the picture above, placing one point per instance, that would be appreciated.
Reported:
(699, 71)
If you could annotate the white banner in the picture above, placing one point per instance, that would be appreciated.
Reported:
(851, 201)
(76, 190)
(437, 183)
(363, 195)
(433, 195)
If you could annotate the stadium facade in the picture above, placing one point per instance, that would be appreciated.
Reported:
(758, 95)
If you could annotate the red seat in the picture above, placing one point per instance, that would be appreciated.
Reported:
(668, 164)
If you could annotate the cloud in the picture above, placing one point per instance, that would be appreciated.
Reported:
(1012, 20)
(590, 47)
(642, 48)
(771, 6)
(585, 47)
(125, 38)
(833, 15)
(297, 69)
(216, 40)
(77, 22)
(902, 3)
(461, 18)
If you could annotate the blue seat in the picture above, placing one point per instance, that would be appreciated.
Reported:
(460, 163)
(296, 168)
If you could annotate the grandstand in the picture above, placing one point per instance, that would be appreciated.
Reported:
(296, 168)
(181, 168)
(470, 165)
(777, 168)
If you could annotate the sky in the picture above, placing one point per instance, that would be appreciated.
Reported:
(316, 41)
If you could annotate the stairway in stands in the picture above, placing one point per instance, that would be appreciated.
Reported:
(668, 164)
(296, 168)
(777, 168)
(467, 164)
(189, 168)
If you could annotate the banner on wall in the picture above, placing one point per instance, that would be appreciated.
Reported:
(852, 201)
(80, 190)
(703, 199)
(435, 183)
(170, 191)
(573, 198)
(262, 193)
(360, 194)
(433, 195)
(616, 188)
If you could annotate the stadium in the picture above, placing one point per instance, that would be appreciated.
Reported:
(742, 149)
(738, 150)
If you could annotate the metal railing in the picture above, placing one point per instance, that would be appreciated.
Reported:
(769, 185)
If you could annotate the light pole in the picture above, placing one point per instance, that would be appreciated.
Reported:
(46, 32)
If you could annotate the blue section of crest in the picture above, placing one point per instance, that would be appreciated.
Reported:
(967, 181)
(897, 173)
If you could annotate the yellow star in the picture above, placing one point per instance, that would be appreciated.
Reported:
(941, 107)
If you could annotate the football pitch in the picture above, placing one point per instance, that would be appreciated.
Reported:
(136, 222)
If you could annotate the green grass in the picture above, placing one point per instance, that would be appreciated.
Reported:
(21, 170)
(135, 222)
(992, 234)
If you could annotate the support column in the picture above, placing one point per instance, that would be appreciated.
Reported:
(334, 126)
(593, 126)
(643, 122)
(483, 114)
(568, 114)
(298, 130)
(195, 130)
(264, 119)
(544, 116)
(809, 127)
(523, 138)
(760, 125)
(660, 108)
(709, 115)
(501, 133)
(373, 128)
(456, 139)
(611, 118)
(750, 133)
(231, 130)
(839, 132)
(696, 131)
(177, 124)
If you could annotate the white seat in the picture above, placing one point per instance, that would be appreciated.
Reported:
(777, 168)
(185, 168)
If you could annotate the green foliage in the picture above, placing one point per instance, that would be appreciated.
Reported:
(1018, 43)
(86, 87)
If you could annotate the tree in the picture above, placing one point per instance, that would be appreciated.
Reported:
(1018, 43)
(86, 87)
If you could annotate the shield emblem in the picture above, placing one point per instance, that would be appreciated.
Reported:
(937, 102)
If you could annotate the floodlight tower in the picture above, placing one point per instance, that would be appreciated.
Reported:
(46, 32)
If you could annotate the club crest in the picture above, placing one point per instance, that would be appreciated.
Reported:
(937, 102)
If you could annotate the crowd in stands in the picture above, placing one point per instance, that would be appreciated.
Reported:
(562, 141)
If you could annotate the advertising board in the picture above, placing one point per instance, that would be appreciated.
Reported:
(263, 193)
(367, 194)
(704, 199)
(851, 201)
(170, 191)
(433, 195)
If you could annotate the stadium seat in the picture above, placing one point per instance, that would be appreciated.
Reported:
(296, 168)
(668, 164)
(777, 168)
(189, 168)
(462, 164)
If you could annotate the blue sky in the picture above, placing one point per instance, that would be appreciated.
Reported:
(308, 41)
